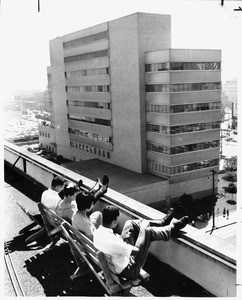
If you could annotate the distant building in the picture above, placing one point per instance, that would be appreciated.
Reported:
(119, 93)
(32, 101)
(230, 88)
(234, 115)
(13, 104)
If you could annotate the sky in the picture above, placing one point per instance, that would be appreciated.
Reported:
(25, 32)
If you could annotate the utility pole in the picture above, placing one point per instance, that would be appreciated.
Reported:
(213, 173)
(221, 141)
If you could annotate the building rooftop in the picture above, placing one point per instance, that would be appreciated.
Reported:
(120, 179)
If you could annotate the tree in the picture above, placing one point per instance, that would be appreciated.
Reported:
(230, 164)
(186, 203)
(230, 167)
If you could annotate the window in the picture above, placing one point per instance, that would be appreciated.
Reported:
(157, 108)
(86, 56)
(90, 104)
(195, 66)
(154, 166)
(157, 67)
(89, 120)
(87, 72)
(86, 39)
(157, 88)
(88, 88)
(195, 127)
(182, 87)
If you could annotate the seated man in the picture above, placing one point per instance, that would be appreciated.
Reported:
(81, 219)
(129, 250)
(66, 207)
(49, 198)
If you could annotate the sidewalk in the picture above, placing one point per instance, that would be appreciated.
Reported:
(225, 228)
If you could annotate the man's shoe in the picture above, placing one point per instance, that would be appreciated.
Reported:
(165, 221)
(105, 182)
(169, 216)
(97, 186)
(179, 224)
(80, 183)
(104, 187)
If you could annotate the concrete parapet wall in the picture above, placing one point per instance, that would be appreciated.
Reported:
(205, 259)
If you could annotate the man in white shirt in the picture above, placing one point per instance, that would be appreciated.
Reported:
(49, 198)
(129, 250)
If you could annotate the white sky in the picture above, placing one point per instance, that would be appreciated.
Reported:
(25, 32)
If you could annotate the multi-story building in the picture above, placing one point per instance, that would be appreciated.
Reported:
(119, 93)
(183, 98)
(230, 88)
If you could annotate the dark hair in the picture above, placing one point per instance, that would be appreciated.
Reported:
(110, 213)
(57, 181)
(69, 189)
(84, 201)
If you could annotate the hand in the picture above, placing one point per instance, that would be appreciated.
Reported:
(126, 233)
(144, 224)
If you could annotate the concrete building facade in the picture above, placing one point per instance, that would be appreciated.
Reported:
(120, 94)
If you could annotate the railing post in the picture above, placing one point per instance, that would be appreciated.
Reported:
(12, 168)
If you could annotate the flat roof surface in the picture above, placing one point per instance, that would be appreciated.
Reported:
(121, 179)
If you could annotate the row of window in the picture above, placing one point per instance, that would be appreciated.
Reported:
(86, 39)
(90, 149)
(182, 149)
(89, 120)
(183, 128)
(90, 135)
(42, 133)
(85, 56)
(183, 87)
(157, 67)
(195, 66)
(182, 168)
(48, 148)
(87, 88)
(101, 105)
(87, 72)
(183, 107)
(182, 66)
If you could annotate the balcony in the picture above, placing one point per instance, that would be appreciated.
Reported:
(195, 264)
